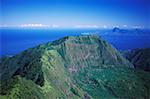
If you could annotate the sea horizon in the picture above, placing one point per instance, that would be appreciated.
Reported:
(16, 40)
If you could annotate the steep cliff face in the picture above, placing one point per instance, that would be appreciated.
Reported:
(73, 67)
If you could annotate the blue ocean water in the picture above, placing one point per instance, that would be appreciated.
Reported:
(14, 41)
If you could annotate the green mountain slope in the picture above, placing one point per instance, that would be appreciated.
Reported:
(75, 67)
(140, 58)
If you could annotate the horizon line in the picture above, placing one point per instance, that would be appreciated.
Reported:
(75, 26)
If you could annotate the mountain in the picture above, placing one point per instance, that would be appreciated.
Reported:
(116, 29)
(73, 67)
(135, 32)
(140, 58)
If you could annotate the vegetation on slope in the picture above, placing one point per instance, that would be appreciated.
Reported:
(140, 58)
(20, 88)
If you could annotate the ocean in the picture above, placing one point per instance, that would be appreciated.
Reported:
(14, 41)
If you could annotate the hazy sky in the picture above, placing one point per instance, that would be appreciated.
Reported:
(76, 12)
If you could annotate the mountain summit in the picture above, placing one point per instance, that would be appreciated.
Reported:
(73, 67)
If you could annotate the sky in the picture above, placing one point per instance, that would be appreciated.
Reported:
(75, 13)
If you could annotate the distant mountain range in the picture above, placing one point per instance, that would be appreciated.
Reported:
(73, 67)
(131, 31)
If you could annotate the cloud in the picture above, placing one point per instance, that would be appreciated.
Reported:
(137, 26)
(33, 25)
(39, 25)
(4, 25)
(105, 27)
(54, 26)
(86, 26)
